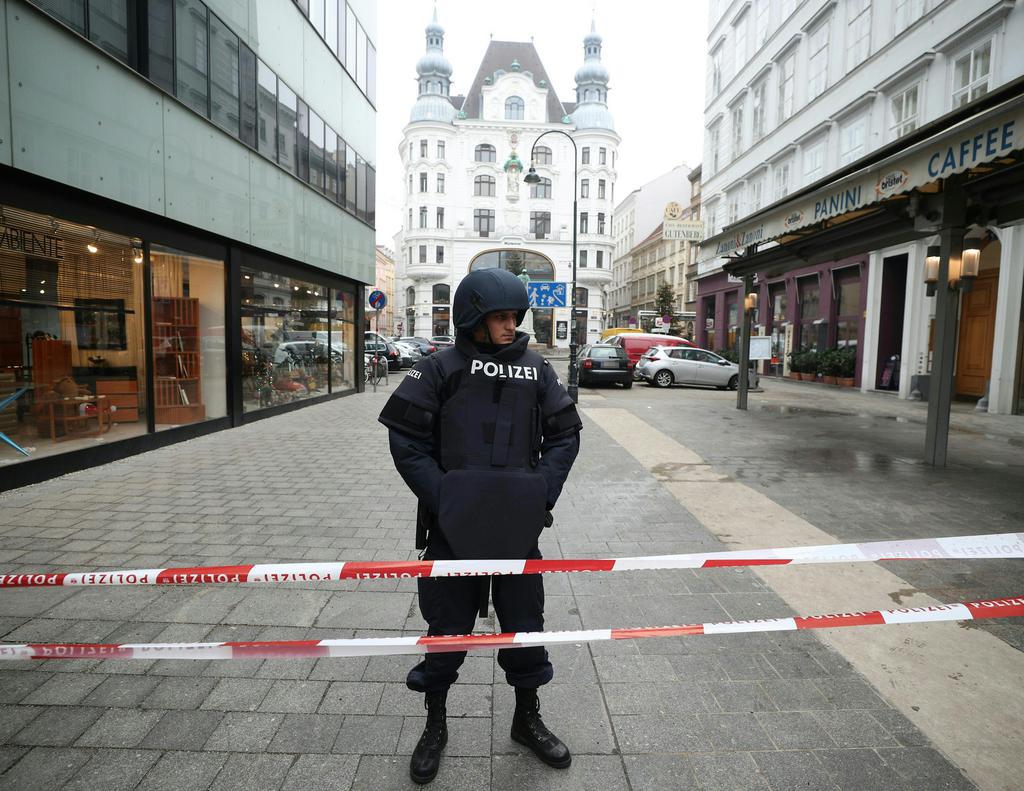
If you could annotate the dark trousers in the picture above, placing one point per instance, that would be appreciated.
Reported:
(450, 606)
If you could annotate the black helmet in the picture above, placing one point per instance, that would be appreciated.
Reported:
(487, 290)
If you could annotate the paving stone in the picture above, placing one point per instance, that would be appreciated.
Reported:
(660, 734)
(321, 771)
(734, 731)
(14, 718)
(391, 772)
(44, 767)
(179, 693)
(861, 770)
(854, 729)
(306, 733)
(366, 735)
(241, 694)
(849, 693)
(294, 696)
(256, 772)
(244, 732)
(791, 730)
(64, 689)
(615, 669)
(727, 772)
(660, 773)
(58, 726)
(576, 712)
(182, 730)
(113, 770)
(678, 698)
(923, 766)
(343, 697)
(587, 772)
(122, 691)
(119, 728)
(467, 736)
(9, 756)
(16, 684)
(740, 696)
(793, 770)
(178, 770)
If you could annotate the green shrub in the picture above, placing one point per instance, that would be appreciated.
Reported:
(847, 362)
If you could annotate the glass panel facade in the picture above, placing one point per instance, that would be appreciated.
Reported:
(72, 336)
(161, 44)
(108, 26)
(189, 360)
(287, 128)
(191, 44)
(70, 12)
(284, 339)
(343, 339)
(224, 94)
(266, 103)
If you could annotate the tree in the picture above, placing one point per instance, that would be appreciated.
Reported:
(664, 303)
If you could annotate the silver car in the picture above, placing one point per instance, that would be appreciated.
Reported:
(665, 366)
(410, 354)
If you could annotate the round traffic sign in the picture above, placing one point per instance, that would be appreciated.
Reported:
(378, 300)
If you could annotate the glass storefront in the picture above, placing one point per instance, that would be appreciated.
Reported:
(343, 339)
(72, 336)
(189, 359)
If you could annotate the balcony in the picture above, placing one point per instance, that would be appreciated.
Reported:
(428, 271)
(592, 276)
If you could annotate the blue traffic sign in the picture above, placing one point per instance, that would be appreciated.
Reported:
(547, 294)
(378, 300)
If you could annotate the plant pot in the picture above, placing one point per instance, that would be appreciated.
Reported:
(808, 377)
(829, 380)
(794, 375)
(845, 381)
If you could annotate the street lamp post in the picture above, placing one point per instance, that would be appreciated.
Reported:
(532, 178)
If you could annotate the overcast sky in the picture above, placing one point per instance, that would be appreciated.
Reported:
(653, 50)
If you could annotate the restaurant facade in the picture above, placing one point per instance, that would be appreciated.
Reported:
(186, 220)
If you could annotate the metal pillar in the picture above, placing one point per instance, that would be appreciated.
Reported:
(744, 381)
(947, 306)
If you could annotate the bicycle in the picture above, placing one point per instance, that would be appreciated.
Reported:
(375, 368)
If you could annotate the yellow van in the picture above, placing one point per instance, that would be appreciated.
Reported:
(606, 334)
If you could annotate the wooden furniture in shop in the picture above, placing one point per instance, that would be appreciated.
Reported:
(177, 389)
(51, 362)
(65, 412)
(119, 384)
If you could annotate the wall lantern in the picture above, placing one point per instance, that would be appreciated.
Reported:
(931, 269)
(531, 176)
(970, 263)
(750, 302)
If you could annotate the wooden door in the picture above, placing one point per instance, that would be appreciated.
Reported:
(977, 330)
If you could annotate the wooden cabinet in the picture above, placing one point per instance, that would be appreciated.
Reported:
(123, 394)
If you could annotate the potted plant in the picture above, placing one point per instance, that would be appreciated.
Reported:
(795, 364)
(831, 363)
(810, 366)
(847, 370)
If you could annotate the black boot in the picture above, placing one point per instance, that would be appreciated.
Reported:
(529, 729)
(426, 758)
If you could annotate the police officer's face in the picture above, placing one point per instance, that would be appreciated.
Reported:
(500, 325)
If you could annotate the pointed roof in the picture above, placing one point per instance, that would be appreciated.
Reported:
(499, 56)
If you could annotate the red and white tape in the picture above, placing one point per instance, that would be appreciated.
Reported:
(380, 646)
(995, 545)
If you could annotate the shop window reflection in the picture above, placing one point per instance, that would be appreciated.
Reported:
(72, 339)
(343, 339)
(285, 348)
(189, 364)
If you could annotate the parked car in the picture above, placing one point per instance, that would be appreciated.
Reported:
(602, 363)
(664, 366)
(410, 354)
(426, 347)
(636, 344)
(385, 348)
(441, 341)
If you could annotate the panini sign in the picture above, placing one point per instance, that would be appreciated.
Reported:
(987, 137)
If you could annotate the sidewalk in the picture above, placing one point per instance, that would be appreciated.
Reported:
(732, 711)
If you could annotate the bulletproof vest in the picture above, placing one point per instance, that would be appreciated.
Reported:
(492, 419)
(492, 501)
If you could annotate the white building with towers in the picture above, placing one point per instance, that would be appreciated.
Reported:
(466, 204)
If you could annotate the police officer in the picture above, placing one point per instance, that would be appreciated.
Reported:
(484, 434)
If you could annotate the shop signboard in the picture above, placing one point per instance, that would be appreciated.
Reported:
(991, 135)
(562, 330)
(760, 347)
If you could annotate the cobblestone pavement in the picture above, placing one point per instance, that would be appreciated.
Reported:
(776, 711)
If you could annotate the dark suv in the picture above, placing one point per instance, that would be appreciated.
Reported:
(603, 363)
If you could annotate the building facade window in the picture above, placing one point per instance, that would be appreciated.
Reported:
(714, 146)
(853, 140)
(423, 148)
(540, 224)
(787, 85)
(514, 108)
(439, 254)
(759, 110)
(423, 254)
(440, 217)
(423, 182)
(599, 259)
(809, 294)
(484, 186)
(542, 155)
(715, 71)
(906, 13)
(600, 222)
(781, 179)
(739, 37)
(602, 156)
(814, 162)
(583, 259)
(584, 222)
(848, 310)
(735, 203)
(762, 11)
(585, 155)
(858, 27)
(440, 149)
(600, 189)
(817, 60)
(756, 193)
(485, 153)
(971, 74)
(584, 188)
(737, 131)
(440, 183)
(542, 189)
(483, 222)
(423, 216)
(904, 107)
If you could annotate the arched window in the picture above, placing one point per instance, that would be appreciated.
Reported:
(582, 297)
(542, 155)
(541, 190)
(484, 185)
(514, 108)
(410, 296)
(485, 153)
(537, 266)
(442, 294)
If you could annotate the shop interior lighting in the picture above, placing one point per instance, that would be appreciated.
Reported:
(137, 255)
(750, 303)
(92, 248)
(931, 269)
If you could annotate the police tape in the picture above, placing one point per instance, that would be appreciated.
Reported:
(382, 646)
(995, 545)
